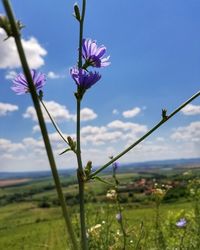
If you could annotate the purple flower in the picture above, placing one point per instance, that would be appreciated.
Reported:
(83, 78)
(119, 217)
(115, 165)
(21, 85)
(181, 223)
(94, 55)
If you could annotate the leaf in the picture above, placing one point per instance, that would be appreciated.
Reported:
(66, 150)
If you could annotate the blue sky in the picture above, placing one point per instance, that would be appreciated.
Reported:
(155, 63)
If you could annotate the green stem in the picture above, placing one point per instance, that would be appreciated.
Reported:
(34, 96)
(81, 182)
(119, 209)
(81, 34)
(80, 172)
(144, 136)
(53, 122)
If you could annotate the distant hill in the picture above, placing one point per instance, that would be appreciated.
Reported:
(128, 167)
(34, 174)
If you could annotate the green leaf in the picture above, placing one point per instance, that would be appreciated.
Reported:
(66, 150)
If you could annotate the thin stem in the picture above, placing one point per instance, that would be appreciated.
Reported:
(119, 209)
(140, 236)
(34, 96)
(80, 172)
(81, 182)
(53, 122)
(81, 33)
(145, 136)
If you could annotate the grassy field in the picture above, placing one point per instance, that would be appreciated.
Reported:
(25, 226)
(34, 220)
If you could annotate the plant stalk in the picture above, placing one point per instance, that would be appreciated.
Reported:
(53, 122)
(146, 135)
(81, 182)
(80, 171)
(36, 103)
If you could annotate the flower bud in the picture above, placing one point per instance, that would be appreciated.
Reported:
(164, 114)
(119, 217)
(77, 12)
(71, 143)
(88, 168)
(5, 24)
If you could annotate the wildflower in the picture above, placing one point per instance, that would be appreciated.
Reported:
(94, 228)
(94, 55)
(159, 192)
(111, 194)
(115, 165)
(119, 217)
(83, 78)
(118, 233)
(181, 223)
(21, 85)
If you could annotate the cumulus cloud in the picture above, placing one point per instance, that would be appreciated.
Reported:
(188, 133)
(9, 56)
(5, 108)
(36, 128)
(8, 146)
(10, 75)
(131, 113)
(101, 138)
(88, 114)
(191, 109)
(93, 130)
(137, 128)
(98, 135)
(116, 131)
(58, 112)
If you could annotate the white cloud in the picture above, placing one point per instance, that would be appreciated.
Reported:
(116, 131)
(53, 75)
(31, 142)
(188, 133)
(58, 112)
(93, 130)
(137, 128)
(102, 138)
(88, 114)
(9, 146)
(9, 56)
(36, 128)
(10, 75)
(5, 108)
(99, 135)
(191, 109)
(131, 113)
(160, 139)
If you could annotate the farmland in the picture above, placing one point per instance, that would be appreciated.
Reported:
(30, 215)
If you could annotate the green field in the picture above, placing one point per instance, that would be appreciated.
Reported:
(34, 220)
